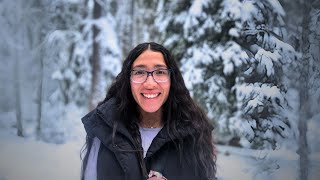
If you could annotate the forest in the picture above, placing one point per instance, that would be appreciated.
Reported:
(252, 65)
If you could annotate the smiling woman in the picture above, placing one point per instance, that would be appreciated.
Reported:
(148, 126)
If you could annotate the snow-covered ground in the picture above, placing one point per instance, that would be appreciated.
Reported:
(237, 163)
(27, 159)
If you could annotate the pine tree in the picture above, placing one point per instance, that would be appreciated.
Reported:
(232, 55)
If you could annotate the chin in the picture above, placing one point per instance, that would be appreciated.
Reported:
(150, 109)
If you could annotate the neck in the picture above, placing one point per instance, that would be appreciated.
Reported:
(151, 120)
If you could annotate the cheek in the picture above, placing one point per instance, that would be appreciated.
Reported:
(134, 89)
(167, 89)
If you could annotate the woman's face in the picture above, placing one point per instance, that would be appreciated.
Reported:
(150, 95)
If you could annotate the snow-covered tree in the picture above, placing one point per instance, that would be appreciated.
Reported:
(72, 72)
(19, 48)
(84, 48)
(91, 40)
(232, 55)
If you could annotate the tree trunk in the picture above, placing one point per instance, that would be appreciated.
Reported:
(132, 23)
(304, 95)
(126, 25)
(18, 96)
(35, 39)
(303, 143)
(39, 99)
(95, 60)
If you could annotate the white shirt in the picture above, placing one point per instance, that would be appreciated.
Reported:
(147, 136)
(90, 172)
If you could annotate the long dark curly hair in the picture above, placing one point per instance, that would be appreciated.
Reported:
(181, 115)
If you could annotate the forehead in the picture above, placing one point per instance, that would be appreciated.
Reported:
(149, 59)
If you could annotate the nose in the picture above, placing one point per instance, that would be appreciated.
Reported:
(150, 80)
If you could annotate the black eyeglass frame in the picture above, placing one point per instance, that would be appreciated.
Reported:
(151, 73)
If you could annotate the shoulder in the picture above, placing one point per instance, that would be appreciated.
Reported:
(101, 116)
(106, 109)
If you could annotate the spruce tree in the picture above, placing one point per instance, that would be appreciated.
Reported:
(232, 56)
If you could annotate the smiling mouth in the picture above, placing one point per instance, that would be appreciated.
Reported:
(150, 96)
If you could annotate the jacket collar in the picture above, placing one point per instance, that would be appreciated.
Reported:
(109, 113)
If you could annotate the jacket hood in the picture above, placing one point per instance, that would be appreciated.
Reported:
(100, 121)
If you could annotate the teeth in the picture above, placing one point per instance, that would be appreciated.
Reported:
(150, 95)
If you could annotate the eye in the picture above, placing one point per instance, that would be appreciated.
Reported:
(138, 72)
(162, 72)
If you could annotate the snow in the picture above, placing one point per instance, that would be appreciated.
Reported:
(244, 126)
(314, 133)
(231, 9)
(246, 164)
(252, 104)
(57, 75)
(277, 7)
(35, 160)
(266, 59)
(248, 11)
(31, 159)
(192, 76)
(234, 32)
(196, 8)
(107, 38)
(261, 91)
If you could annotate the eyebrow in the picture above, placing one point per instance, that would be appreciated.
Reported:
(156, 66)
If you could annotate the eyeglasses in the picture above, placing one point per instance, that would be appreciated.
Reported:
(159, 75)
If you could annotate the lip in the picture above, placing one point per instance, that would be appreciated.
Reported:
(150, 95)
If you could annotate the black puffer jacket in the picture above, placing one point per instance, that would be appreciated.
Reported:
(116, 164)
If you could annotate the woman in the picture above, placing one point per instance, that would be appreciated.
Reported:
(148, 126)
